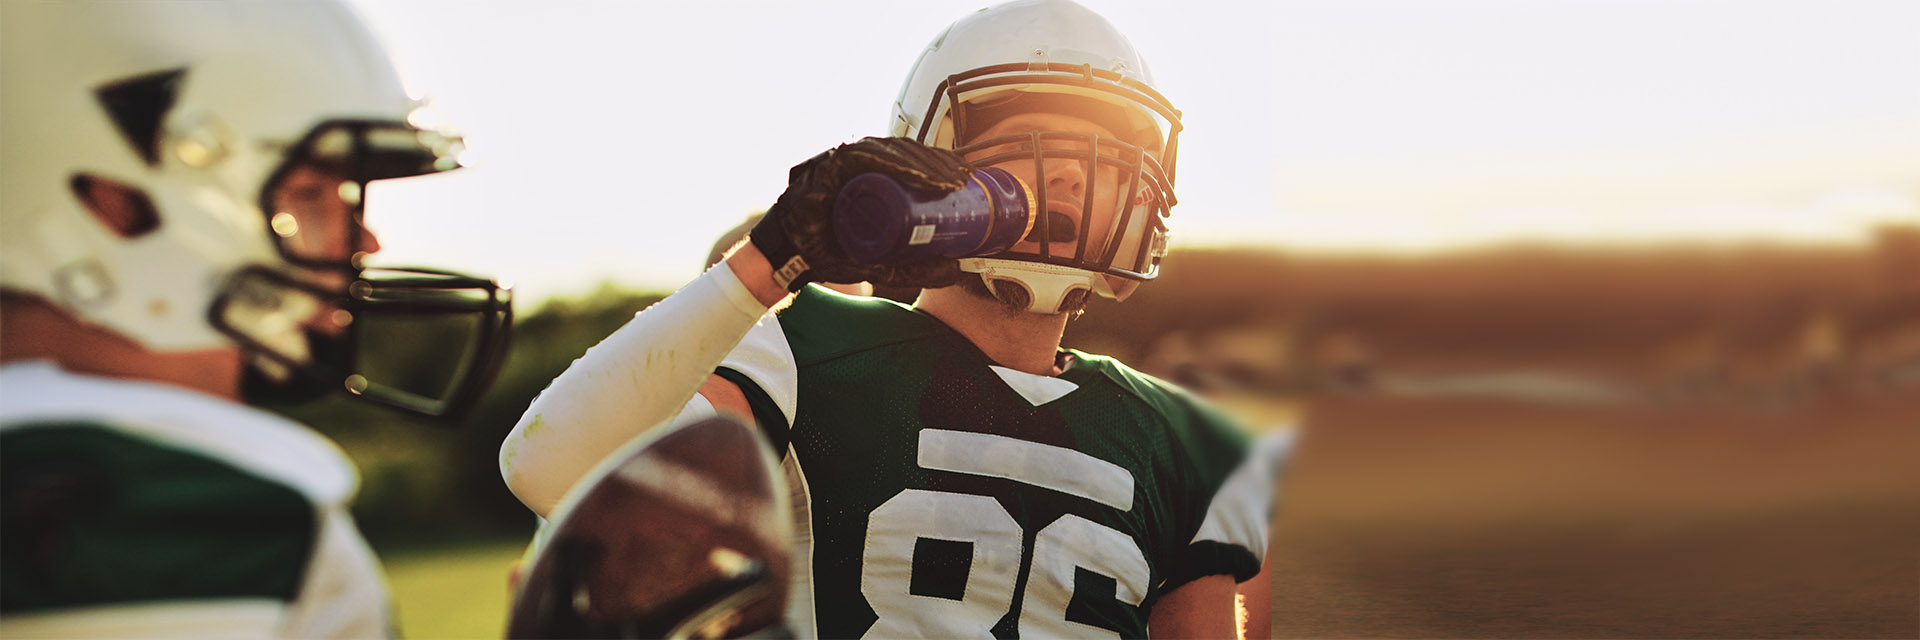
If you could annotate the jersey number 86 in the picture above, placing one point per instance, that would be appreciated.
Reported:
(896, 528)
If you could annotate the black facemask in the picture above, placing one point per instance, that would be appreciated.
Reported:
(420, 340)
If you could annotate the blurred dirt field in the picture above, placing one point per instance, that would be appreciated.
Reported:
(1488, 518)
(1484, 518)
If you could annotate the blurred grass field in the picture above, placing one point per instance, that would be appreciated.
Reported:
(452, 592)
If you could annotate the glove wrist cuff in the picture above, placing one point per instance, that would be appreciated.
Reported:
(789, 268)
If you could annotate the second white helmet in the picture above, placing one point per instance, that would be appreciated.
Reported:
(247, 133)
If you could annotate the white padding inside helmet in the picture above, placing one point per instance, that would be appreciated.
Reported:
(1048, 285)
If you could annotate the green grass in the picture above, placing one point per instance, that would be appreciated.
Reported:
(452, 592)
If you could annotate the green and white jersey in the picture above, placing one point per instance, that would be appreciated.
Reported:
(940, 495)
(133, 509)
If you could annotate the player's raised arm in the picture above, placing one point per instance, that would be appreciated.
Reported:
(646, 372)
(636, 378)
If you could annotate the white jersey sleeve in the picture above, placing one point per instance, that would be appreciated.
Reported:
(1240, 511)
(765, 358)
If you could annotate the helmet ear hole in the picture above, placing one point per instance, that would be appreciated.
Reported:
(125, 210)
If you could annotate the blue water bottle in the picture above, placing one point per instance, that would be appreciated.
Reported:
(880, 221)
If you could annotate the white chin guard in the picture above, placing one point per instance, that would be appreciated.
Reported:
(1047, 285)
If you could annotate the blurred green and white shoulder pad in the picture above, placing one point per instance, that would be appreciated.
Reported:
(134, 508)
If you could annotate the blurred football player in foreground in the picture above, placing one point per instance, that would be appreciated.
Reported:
(182, 232)
(953, 471)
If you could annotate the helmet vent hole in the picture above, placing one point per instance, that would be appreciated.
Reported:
(125, 210)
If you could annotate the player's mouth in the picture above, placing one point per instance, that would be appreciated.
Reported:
(1058, 225)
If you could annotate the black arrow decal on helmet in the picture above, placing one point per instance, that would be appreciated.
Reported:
(138, 105)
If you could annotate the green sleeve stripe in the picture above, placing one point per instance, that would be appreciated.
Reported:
(772, 421)
(90, 515)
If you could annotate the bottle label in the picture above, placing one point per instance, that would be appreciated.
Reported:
(922, 234)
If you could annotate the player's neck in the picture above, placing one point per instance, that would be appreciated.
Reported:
(34, 330)
(1016, 340)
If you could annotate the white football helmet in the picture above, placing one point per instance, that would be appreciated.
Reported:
(1054, 56)
(209, 111)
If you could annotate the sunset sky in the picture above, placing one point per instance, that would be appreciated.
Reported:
(613, 141)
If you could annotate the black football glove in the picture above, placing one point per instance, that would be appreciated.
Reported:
(797, 233)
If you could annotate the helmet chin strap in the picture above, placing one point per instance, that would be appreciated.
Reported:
(1047, 285)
